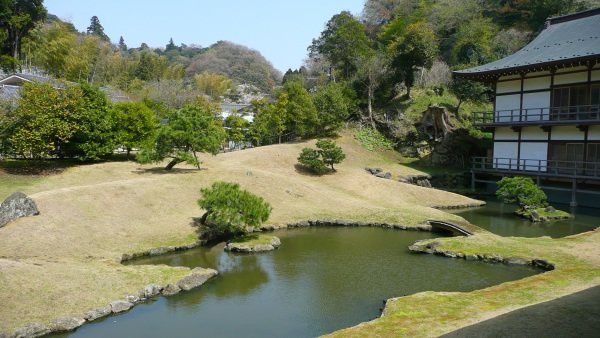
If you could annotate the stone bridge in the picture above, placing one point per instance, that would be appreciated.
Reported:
(446, 227)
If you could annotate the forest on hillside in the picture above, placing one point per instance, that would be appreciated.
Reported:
(381, 69)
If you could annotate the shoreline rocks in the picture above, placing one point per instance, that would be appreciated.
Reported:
(15, 206)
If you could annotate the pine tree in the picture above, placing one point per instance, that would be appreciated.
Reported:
(122, 45)
(96, 28)
(171, 45)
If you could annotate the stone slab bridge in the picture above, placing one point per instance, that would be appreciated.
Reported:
(446, 227)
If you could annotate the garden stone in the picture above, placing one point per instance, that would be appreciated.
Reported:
(31, 330)
(550, 209)
(386, 175)
(16, 206)
(170, 290)
(196, 278)
(64, 324)
(120, 306)
(97, 313)
(152, 290)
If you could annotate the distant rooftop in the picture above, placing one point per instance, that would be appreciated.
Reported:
(568, 40)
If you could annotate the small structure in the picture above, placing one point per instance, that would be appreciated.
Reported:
(546, 116)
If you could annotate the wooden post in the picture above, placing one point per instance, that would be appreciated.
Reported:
(472, 181)
(574, 194)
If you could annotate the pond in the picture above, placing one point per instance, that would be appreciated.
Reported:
(500, 219)
(319, 280)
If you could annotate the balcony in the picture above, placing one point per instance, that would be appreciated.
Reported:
(556, 116)
(545, 168)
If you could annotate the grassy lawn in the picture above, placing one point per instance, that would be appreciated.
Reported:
(254, 239)
(92, 214)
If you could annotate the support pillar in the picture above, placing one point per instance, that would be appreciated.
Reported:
(574, 194)
(472, 181)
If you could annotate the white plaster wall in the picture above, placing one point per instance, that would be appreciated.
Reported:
(595, 75)
(537, 83)
(508, 86)
(567, 133)
(570, 78)
(505, 133)
(503, 151)
(534, 156)
(533, 133)
(594, 133)
(537, 100)
(508, 102)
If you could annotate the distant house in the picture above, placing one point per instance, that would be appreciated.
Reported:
(546, 116)
(11, 85)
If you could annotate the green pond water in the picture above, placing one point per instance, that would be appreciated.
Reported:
(500, 219)
(319, 280)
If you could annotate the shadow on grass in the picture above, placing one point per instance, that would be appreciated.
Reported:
(163, 171)
(302, 170)
(37, 167)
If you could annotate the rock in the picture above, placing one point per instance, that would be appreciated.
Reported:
(170, 290)
(94, 314)
(196, 278)
(534, 216)
(152, 290)
(249, 248)
(31, 330)
(542, 264)
(16, 206)
(373, 171)
(133, 299)
(386, 175)
(516, 261)
(64, 324)
(120, 306)
(550, 209)
(159, 251)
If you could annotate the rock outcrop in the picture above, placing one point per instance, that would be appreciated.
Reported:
(194, 279)
(420, 180)
(16, 206)
(378, 172)
(65, 324)
(250, 248)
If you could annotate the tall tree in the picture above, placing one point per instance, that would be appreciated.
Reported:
(213, 85)
(95, 28)
(300, 112)
(418, 47)
(170, 45)
(17, 18)
(371, 72)
(343, 42)
(122, 45)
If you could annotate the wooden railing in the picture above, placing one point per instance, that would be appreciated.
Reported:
(577, 169)
(554, 115)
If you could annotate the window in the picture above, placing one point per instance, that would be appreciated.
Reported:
(567, 102)
(562, 157)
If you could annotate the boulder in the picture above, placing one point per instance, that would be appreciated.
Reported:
(196, 278)
(373, 171)
(31, 330)
(386, 175)
(16, 206)
(64, 324)
(170, 290)
(550, 209)
(120, 306)
(100, 312)
(152, 290)
(249, 248)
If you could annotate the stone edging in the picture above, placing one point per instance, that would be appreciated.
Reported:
(194, 279)
(345, 223)
(459, 206)
(160, 251)
(432, 248)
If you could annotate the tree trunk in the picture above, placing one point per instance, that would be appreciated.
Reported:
(458, 110)
(197, 162)
(173, 163)
(370, 106)
(128, 152)
(407, 91)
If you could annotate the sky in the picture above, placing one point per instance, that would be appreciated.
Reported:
(280, 29)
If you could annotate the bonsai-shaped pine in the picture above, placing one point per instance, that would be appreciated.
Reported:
(188, 131)
(522, 191)
(326, 154)
(231, 211)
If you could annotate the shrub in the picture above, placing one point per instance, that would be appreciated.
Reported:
(326, 154)
(373, 140)
(521, 190)
(230, 210)
(311, 159)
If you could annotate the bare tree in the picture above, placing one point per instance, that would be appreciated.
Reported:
(372, 70)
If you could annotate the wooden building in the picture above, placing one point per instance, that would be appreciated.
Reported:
(546, 116)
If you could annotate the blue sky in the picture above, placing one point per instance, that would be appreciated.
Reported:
(280, 29)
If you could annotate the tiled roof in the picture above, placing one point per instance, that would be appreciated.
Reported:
(567, 40)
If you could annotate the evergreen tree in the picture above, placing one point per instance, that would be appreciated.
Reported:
(122, 45)
(96, 28)
(170, 45)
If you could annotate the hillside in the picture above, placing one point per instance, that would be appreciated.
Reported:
(239, 63)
